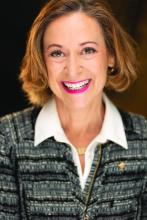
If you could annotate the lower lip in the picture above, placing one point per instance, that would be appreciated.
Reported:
(85, 88)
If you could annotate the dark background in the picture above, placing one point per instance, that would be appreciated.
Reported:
(16, 18)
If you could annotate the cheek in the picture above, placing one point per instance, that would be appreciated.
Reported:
(99, 62)
(54, 76)
(97, 67)
(54, 69)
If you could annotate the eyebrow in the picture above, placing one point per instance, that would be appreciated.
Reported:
(81, 44)
(88, 42)
(54, 45)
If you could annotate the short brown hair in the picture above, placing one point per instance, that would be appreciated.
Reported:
(33, 71)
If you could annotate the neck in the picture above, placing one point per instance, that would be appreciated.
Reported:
(82, 120)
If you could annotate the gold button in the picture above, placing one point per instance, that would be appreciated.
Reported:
(121, 166)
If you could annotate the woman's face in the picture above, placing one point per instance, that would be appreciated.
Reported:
(76, 59)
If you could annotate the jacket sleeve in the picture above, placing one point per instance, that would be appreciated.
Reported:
(144, 202)
(9, 197)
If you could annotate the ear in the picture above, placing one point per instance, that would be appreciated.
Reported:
(111, 61)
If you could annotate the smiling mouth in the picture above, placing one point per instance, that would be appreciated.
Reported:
(76, 87)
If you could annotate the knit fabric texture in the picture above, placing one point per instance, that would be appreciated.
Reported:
(41, 182)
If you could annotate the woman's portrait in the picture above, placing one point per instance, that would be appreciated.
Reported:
(74, 154)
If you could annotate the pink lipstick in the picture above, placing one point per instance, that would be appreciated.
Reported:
(76, 87)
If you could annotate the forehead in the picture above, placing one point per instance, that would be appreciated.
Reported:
(74, 26)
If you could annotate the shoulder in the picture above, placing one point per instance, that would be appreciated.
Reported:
(134, 124)
(15, 126)
(135, 156)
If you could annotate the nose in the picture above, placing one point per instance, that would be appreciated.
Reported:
(73, 65)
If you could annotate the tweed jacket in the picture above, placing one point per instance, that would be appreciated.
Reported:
(41, 182)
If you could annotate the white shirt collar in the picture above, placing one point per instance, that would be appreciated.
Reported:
(48, 125)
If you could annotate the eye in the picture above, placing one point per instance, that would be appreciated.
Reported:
(57, 53)
(88, 50)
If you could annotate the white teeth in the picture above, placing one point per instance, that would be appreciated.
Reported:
(76, 86)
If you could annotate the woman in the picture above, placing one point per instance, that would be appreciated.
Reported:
(78, 157)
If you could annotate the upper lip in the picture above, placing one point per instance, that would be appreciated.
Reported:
(74, 82)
